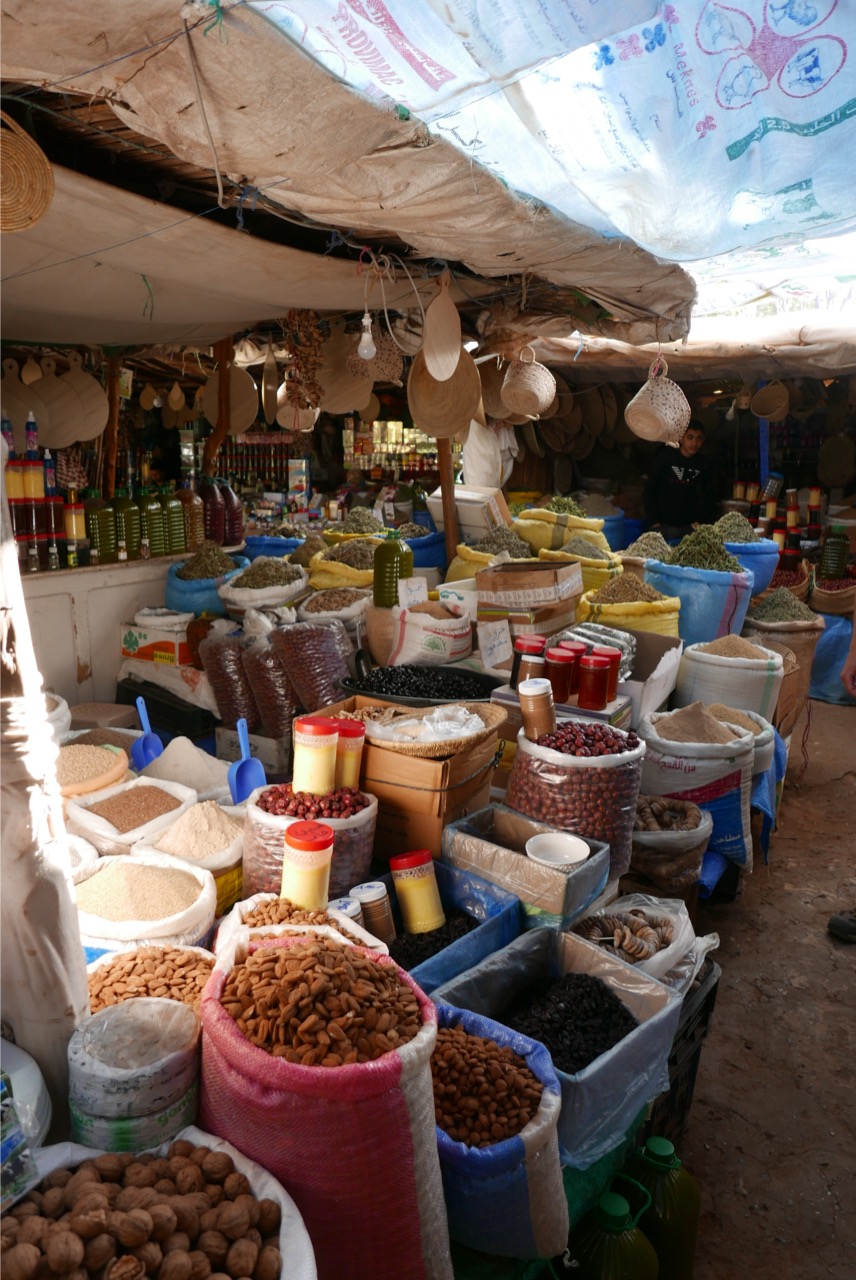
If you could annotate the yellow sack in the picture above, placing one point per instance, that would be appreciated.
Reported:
(596, 573)
(333, 573)
(467, 562)
(660, 616)
(332, 537)
(550, 530)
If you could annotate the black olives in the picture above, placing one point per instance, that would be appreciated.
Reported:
(577, 1017)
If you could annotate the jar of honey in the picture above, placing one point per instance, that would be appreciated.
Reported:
(593, 692)
(416, 888)
(614, 655)
(559, 666)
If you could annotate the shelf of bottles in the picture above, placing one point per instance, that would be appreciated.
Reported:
(389, 444)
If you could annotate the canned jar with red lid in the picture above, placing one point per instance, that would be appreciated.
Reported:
(593, 691)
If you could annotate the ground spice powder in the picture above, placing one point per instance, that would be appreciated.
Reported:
(693, 724)
(731, 715)
(733, 647)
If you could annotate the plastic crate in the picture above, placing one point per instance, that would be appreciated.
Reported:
(170, 715)
(670, 1112)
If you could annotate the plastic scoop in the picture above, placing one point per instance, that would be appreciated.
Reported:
(147, 748)
(245, 774)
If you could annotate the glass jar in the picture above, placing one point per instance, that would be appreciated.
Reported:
(416, 889)
(349, 752)
(387, 564)
(194, 516)
(559, 668)
(315, 743)
(306, 861)
(15, 479)
(537, 707)
(214, 511)
(579, 648)
(771, 508)
(593, 690)
(738, 490)
(377, 912)
(152, 521)
(128, 526)
(614, 655)
(18, 516)
(173, 521)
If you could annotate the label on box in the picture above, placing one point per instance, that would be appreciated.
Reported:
(412, 591)
(495, 647)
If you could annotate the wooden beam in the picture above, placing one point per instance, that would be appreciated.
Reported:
(223, 352)
(111, 431)
(447, 491)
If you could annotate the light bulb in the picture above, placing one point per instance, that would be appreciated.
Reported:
(367, 349)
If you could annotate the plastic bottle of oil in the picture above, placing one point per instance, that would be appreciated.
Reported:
(100, 521)
(128, 527)
(387, 565)
(152, 516)
(173, 521)
(671, 1223)
(608, 1245)
(833, 557)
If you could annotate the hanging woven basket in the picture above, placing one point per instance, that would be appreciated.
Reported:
(528, 387)
(28, 182)
(659, 410)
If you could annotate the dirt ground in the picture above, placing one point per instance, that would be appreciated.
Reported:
(772, 1132)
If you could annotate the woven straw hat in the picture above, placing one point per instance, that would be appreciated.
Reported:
(771, 402)
(491, 380)
(28, 181)
(443, 408)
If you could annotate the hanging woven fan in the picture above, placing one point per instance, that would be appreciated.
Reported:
(28, 182)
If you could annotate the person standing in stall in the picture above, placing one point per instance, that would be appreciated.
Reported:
(680, 492)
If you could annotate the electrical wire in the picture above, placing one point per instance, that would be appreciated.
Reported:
(191, 58)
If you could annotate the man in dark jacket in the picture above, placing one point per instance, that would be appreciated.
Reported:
(680, 489)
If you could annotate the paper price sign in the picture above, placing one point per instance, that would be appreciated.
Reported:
(495, 644)
(412, 591)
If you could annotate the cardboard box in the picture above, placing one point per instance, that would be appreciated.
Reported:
(654, 674)
(479, 510)
(274, 753)
(152, 644)
(401, 831)
(524, 584)
(544, 621)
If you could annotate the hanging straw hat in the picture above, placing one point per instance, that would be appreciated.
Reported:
(28, 181)
(771, 402)
(492, 378)
(443, 408)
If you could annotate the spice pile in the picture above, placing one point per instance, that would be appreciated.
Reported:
(781, 605)
(628, 588)
(633, 936)
(320, 1004)
(704, 549)
(733, 647)
(173, 973)
(208, 562)
(578, 1018)
(410, 949)
(359, 554)
(311, 546)
(267, 572)
(360, 520)
(731, 715)
(79, 763)
(693, 724)
(423, 682)
(504, 539)
(286, 529)
(202, 830)
(651, 546)
(127, 890)
(134, 807)
(580, 546)
(734, 527)
(483, 1093)
(409, 531)
(183, 1216)
(566, 506)
(334, 600)
(284, 802)
(182, 761)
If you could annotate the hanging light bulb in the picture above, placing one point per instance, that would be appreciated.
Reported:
(367, 349)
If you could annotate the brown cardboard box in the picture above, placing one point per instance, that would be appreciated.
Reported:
(479, 510)
(402, 830)
(546, 620)
(525, 584)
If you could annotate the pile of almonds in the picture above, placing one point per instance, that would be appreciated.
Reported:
(188, 1215)
(281, 911)
(321, 1004)
(483, 1093)
(170, 972)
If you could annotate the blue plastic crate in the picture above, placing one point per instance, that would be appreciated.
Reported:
(498, 911)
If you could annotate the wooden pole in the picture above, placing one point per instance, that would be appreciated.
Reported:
(447, 491)
(223, 352)
(111, 431)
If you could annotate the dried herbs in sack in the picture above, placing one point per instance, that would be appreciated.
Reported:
(316, 656)
(269, 583)
(584, 779)
(354, 1124)
(504, 1194)
(223, 660)
(713, 600)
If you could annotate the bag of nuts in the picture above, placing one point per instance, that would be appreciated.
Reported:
(267, 915)
(348, 1098)
(504, 1192)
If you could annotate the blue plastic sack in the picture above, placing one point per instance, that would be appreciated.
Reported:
(633, 529)
(459, 891)
(761, 557)
(829, 657)
(613, 531)
(508, 1199)
(256, 546)
(429, 552)
(425, 519)
(200, 595)
(713, 604)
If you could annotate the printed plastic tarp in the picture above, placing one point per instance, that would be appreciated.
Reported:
(677, 109)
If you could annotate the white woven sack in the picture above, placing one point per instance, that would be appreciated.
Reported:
(748, 684)
(659, 410)
(231, 944)
(185, 928)
(235, 596)
(528, 387)
(103, 835)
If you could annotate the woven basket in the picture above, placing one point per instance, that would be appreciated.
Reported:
(800, 591)
(492, 715)
(442, 409)
(528, 387)
(28, 181)
(659, 410)
(771, 402)
(837, 602)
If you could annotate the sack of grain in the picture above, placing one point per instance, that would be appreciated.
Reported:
(420, 639)
(144, 899)
(659, 616)
(197, 837)
(733, 671)
(550, 530)
(131, 819)
(713, 603)
(267, 915)
(596, 573)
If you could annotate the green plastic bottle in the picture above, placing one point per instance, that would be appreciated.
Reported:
(405, 558)
(128, 526)
(100, 520)
(387, 563)
(671, 1223)
(152, 516)
(173, 521)
(835, 553)
(608, 1245)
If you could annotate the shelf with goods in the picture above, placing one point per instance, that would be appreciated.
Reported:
(390, 445)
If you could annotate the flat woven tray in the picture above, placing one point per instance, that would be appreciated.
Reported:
(493, 716)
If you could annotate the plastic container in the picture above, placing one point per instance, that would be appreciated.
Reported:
(128, 527)
(528, 660)
(557, 849)
(100, 520)
(306, 865)
(349, 752)
(593, 690)
(15, 479)
(671, 1222)
(387, 569)
(377, 912)
(417, 892)
(835, 552)
(74, 517)
(405, 559)
(214, 511)
(315, 754)
(537, 707)
(34, 479)
(173, 521)
(233, 513)
(580, 649)
(152, 521)
(349, 907)
(608, 1244)
(193, 509)
(559, 667)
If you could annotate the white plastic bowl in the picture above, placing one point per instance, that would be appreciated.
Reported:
(557, 849)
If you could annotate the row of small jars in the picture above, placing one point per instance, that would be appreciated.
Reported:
(574, 668)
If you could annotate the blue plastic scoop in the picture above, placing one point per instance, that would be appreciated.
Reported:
(147, 748)
(245, 774)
